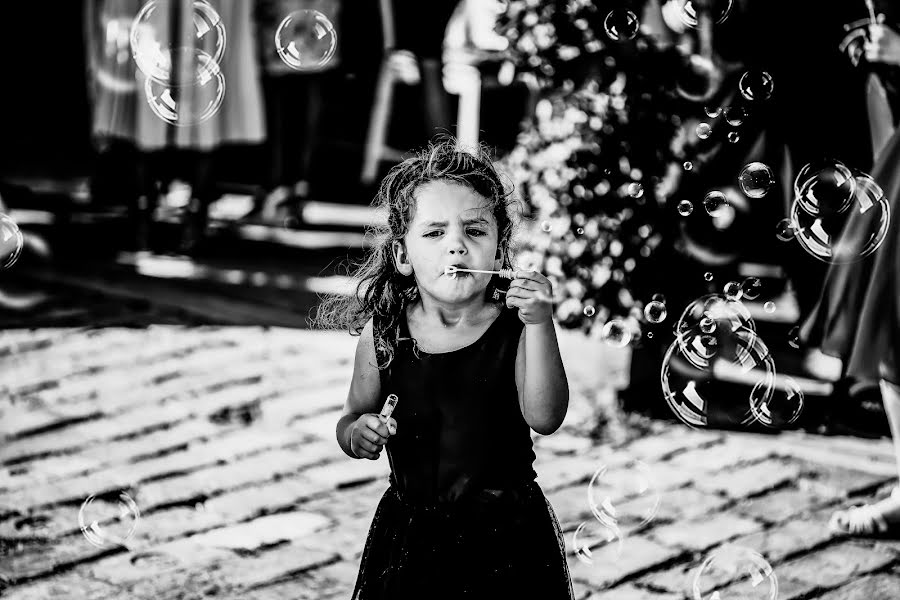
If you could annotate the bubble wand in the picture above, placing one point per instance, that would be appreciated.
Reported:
(504, 273)
(871, 7)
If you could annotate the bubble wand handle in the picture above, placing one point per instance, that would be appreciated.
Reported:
(389, 405)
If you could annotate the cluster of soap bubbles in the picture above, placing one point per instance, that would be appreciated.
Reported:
(733, 571)
(622, 499)
(11, 242)
(106, 524)
(755, 180)
(715, 356)
(621, 332)
(755, 87)
(838, 215)
(184, 83)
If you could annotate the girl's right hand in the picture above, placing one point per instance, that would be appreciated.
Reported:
(369, 434)
(883, 45)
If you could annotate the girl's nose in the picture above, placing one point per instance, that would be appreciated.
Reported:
(456, 244)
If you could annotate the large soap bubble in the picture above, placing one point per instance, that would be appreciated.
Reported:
(157, 49)
(852, 233)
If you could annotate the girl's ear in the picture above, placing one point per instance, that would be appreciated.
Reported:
(401, 258)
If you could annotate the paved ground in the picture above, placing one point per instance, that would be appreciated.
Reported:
(221, 433)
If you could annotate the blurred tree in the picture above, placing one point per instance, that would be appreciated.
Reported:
(594, 162)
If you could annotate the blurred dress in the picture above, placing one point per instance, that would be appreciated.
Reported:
(856, 317)
(874, 351)
(120, 109)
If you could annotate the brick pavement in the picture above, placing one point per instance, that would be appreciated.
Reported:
(223, 437)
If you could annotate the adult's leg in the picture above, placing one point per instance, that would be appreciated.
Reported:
(437, 101)
(872, 518)
(203, 187)
(890, 394)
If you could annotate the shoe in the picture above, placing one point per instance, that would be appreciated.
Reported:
(865, 521)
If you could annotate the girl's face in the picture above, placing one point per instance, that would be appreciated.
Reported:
(451, 226)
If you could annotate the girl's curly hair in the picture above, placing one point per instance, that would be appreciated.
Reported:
(381, 291)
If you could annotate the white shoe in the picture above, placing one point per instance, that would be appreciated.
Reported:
(865, 520)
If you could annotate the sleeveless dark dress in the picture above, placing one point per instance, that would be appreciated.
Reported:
(856, 317)
(463, 516)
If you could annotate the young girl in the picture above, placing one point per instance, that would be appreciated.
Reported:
(473, 372)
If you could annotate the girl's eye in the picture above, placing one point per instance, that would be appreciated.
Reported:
(476, 232)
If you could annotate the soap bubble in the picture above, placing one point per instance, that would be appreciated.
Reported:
(867, 217)
(776, 401)
(693, 375)
(746, 573)
(635, 190)
(733, 290)
(546, 227)
(103, 523)
(11, 241)
(655, 312)
(624, 497)
(756, 179)
(720, 10)
(708, 276)
(616, 333)
(156, 49)
(685, 208)
(306, 40)
(756, 85)
(785, 230)
(596, 540)
(698, 79)
(733, 137)
(703, 130)
(704, 369)
(189, 104)
(589, 311)
(769, 307)
(734, 315)
(735, 114)
(688, 165)
(621, 25)
(825, 186)
(794, 337)
(713, 111)
(751, 288)
(715, 203)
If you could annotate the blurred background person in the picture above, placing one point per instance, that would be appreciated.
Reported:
(295, 101)
(136, 146)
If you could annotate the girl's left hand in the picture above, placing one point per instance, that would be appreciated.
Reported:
(531, 293)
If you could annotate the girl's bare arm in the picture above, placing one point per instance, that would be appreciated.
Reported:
(541, 378)
(365, 388)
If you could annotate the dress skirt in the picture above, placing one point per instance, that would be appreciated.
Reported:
(857, 316)
(489, 544)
